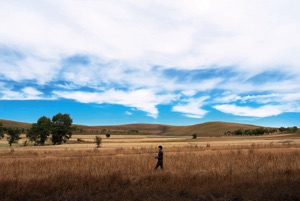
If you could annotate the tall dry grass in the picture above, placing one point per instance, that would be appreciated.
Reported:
(191, 173)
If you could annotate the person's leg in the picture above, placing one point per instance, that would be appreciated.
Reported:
(157, 165)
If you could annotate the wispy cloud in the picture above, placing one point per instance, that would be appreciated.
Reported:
(128, 113)
(263, 111)
(27, 93)
(191, 107)
(147, 53)
(144, 100)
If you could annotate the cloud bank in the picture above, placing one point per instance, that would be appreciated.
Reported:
(238, 57)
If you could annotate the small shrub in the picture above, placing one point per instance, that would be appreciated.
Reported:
(107, 135)
(194, 136)
(98, 140)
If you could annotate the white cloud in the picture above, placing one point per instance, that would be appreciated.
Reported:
(278, 98)
(129, 44)
(244, 86)
(40, 70)
(192, 108)
(227, 98)
(31, 91)
(144, 100)
(263, 111)
(251, 35)
(27, 93)
(128, 113)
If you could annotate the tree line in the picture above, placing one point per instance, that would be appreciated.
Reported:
(59, 129)
(261, 131)
(288, 129)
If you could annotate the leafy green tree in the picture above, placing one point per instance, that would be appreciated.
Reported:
(259, 131)
(288, 129)
(40, 131)
(61, 128)
(238, 132)
(248, 132)
(13, 135)
(282, 129)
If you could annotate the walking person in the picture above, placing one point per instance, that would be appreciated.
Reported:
(160, 158)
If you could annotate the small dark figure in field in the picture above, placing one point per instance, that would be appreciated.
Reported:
(160, 157)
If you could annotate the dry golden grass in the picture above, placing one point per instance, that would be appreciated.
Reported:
(192, 172)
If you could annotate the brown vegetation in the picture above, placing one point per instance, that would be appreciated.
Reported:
(191, 173)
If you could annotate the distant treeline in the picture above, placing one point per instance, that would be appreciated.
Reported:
(261, 131)
(59, 129)
(288, 129)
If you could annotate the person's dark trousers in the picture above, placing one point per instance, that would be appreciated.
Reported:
(160, 164)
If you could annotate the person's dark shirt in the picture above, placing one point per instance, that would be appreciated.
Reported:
(160, 155)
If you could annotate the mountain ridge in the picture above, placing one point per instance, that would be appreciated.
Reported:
(214, 128)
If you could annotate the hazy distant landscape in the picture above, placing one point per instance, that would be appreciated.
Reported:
(204, 129)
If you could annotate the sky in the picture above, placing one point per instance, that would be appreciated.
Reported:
(169, 62)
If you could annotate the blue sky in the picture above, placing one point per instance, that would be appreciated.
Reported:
(169, 62)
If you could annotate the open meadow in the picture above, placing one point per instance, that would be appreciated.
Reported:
(207, 168)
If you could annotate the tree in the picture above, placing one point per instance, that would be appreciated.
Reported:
(238, 132)
(1, 130)
(40, 131)
(98, 141)
(195, 136)
(282, 129)
(294, 129)
(13, 135)
(273, 130)
(107, 135)
(61, 128)
(258, 131)
(247, 132)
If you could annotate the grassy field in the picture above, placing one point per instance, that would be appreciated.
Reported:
(212, 168)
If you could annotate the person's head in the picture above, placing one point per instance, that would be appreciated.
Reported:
(160, 147)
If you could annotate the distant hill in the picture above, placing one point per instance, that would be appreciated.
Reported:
(9, 123)
(207, 129)
(204, 129)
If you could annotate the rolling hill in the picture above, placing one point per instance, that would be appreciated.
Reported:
(9, 123)
(203, 129)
